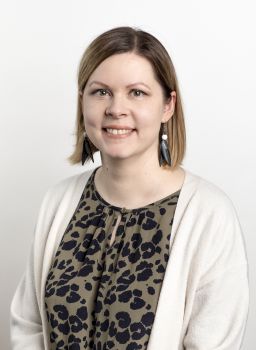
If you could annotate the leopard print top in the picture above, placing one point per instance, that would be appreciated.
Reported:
(104, 283)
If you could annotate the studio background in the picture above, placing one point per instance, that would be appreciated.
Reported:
(213, 50)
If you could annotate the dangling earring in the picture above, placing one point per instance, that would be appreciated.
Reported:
(87, 151)
(164, 150)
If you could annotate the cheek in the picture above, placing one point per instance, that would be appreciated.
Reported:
(91, 114)
(149, 116)
(89, 123)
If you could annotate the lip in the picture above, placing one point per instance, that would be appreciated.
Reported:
(118, 136)
(118, 127)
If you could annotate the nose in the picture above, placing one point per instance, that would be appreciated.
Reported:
(116, 107)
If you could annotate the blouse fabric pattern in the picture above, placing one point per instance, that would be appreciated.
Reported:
(103, 286)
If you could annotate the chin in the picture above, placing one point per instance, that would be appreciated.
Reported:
(116, 155)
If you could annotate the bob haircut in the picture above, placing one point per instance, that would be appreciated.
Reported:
(127, 39)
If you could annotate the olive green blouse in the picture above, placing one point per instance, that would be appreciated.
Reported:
(104, 283)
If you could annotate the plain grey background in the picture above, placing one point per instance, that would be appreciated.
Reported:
(213, 49)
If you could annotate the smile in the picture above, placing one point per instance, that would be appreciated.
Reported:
(118, 132)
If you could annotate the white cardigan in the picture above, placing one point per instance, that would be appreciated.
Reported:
(204, 300)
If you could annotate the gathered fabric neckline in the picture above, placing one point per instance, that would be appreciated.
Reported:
(159, 202)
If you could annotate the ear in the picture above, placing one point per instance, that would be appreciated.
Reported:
(169, 107)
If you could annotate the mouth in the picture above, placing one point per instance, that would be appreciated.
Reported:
(118, 133)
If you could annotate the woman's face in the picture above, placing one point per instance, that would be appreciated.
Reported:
(123, 93)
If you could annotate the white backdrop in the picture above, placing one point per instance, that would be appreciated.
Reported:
(214, 51)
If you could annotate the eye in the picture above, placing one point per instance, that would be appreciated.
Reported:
(138, 93)
(100, 92)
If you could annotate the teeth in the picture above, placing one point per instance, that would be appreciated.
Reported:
(118, 131)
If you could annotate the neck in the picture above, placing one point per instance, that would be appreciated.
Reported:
(131, 183)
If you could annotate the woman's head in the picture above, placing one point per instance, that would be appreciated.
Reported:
(148, 49)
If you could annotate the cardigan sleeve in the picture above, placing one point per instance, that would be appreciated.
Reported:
(25, 319)
(26, 325)
(221, 301)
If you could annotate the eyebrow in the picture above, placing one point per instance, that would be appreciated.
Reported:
(128, 86)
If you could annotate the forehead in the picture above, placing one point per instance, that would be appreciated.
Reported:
(125, 67)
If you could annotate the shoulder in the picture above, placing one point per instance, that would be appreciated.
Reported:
(70, 185)
(209, 197)
(59, 195)
(220, 238)
(216, 217)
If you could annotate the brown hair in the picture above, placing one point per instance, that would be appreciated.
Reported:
(128, 39)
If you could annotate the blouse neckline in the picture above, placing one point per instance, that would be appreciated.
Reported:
(159, 202)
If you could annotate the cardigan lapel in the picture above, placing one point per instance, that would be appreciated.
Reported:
(167, 326)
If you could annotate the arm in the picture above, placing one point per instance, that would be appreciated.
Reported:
(219, 312)
(221, 301)
(26, 326)
(25, 319)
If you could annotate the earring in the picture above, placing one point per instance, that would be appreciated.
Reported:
(164, 150)
(87, 151)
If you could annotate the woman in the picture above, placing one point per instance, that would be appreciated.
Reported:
(138, 253)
